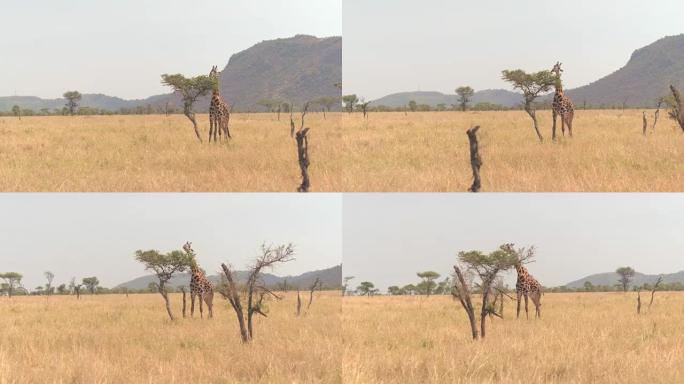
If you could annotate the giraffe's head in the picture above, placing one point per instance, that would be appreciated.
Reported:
(187, 247)
(214, 75)
(557, 69)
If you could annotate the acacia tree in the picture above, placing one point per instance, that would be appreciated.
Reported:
(91, 283)
(350, 102)
(626, 275)
(531, 85)
(72, 98)
(165, 266)
(366, 288)
(464, 96)
(254, 290)
(13, 281)
(16, 111)
(345, 286)
(486, 268)
(190, 89)
(49, 276)
(428, 282)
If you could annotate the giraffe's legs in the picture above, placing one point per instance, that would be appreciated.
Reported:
(211, 124)
(210, 303)
(517, 313)
(563, 119)
(537, 304)
(571, 116)
(553, 135)
(192, 303)
(527, 315)
(201, 298)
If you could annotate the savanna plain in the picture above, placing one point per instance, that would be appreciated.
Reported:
(429, 152)
(119, 339)
(157, 153)
(412, 152)
(581, 338)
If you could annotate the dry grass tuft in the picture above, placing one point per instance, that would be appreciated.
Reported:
(114, 339)
(581, 338)
(428, 152)
(161, 154)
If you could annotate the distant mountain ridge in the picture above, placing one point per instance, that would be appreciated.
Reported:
(611, 278)
(293, 70)
(431, 98)
(331, 278)
(642, 81)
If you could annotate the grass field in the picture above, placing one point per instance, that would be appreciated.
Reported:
(387, 152)
(161, 154)
(581, 338)
(428, 151)
(114, 339)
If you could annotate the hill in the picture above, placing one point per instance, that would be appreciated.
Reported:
(494, 96)
(645, 78)
(611, 278)
(293, 70)
(331, 278)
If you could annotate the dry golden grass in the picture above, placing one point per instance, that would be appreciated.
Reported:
(429, 152)
(114, 339)
(581, 338)
(162, 154)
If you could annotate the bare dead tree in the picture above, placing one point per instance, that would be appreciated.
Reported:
(638, 302)
(316, 284)
(475, 159)
(462, 293)
(182, 289)
(655, 287)
(299, 303)
(657, 113)
(254, 289)
(645, 124)
(364, 108)
(677, 106)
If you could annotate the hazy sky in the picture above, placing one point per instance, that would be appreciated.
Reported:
(121, 47)
(97, 234)
(390, 237)
(436, 45)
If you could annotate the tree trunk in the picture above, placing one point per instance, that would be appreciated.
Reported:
(464, 297)
(475, 159)
(184, 302)
(645, 124)
(191, 117)
(303, 156)
(299, 303)
(162, 291)
(533, 115)
(234, 299)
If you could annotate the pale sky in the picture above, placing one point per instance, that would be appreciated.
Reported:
(121, 47)
(390, 237)
(92, 234)
(437, 45)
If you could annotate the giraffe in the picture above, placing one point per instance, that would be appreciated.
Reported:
(199, 285)
(527, 286)
(562, 105)
(219, 113)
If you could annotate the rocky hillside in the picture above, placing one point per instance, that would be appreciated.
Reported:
(494, 96)
(645, 78)
(292, 70)
(611, 278)
(331, 278)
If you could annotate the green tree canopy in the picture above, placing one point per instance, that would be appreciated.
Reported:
(366, 288)
(465, 94)
(91, 283)
(13, 281)
(350, 102)
(532, 85)
(626, 274)
(428, 284)
(73, 98)
(190, 89)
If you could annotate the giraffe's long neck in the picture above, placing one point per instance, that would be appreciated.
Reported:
(522, 271)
